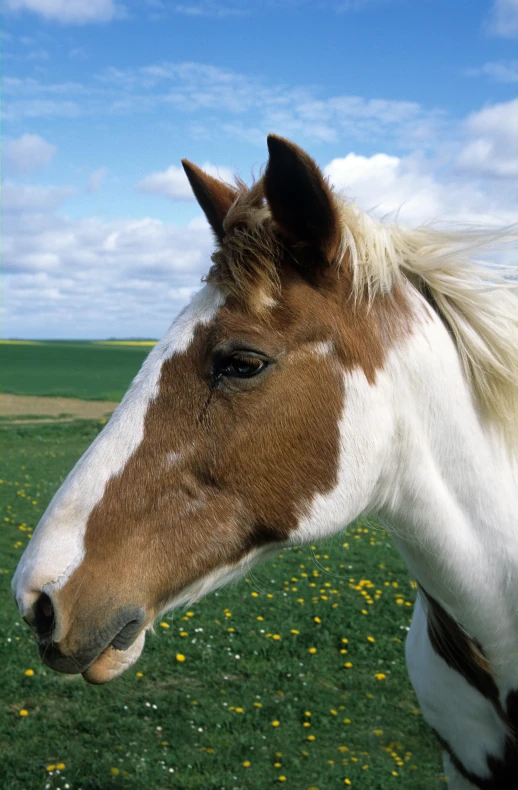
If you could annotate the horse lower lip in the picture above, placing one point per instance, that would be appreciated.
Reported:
(112, 662)
(127, 635)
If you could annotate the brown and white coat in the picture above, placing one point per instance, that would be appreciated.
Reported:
(331, 366)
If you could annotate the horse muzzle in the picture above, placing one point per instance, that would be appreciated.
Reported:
(98, 650)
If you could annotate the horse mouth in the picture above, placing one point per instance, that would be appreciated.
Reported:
(112, 662)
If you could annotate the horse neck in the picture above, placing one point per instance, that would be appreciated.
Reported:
(449, 497)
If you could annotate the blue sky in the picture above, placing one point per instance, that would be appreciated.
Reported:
(407, 105)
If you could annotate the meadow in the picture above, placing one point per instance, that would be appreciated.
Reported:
(294, 676)
(70, 369)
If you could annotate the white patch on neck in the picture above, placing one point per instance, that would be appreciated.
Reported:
(57, 546)
(414, 450)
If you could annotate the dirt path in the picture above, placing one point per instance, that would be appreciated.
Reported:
(27, 406)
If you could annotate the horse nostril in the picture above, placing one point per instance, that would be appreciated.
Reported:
(44, 617)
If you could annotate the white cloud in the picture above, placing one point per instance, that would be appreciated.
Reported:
(129, 277)
(220, 101)
(94, 278)
(503, 18)
(173, 182)
(211, 10)
(33, 199)
(72, 12)
(96, 179)
(28, 152)
(29, 98)
(492, 146)
(384, 184)
(77, 53)
(500, 71)
(38, 54)
(90, 277)
(406, 189)
(470, 181)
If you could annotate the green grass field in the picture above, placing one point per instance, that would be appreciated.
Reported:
(74, 369)
(292, 677)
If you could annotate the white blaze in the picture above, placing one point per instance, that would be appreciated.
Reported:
(57, 546)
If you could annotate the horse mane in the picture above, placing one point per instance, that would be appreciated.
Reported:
(478, 301)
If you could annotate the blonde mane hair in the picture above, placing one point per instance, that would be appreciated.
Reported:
(477, 300)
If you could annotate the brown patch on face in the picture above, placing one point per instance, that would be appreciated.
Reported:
(226, 468)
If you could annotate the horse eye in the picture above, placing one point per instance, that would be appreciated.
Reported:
(239, 366)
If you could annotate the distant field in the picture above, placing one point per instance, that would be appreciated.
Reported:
(87, 370)
(293, 677)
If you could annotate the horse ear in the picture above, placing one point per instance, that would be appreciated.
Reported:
(214, 197)
(300, 199)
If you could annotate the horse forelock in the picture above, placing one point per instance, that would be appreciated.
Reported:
(247, 260)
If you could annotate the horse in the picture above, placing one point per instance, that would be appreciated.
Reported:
(331, 366)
